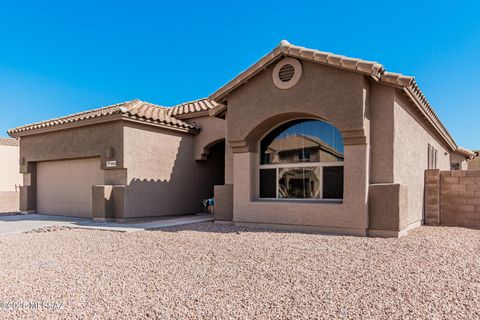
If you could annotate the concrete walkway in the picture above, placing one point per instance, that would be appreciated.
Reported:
(29, 222)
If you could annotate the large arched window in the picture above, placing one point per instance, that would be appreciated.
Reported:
(302, 159)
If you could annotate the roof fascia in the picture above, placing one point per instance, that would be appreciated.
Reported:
(218, 111)
(160, 125)
(437, 125)
(65, 126)
(100, 120)
(190, 115)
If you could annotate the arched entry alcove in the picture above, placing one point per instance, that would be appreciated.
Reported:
(212, 165)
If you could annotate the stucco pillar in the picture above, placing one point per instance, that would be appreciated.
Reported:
(388, 209)
(223, 207)
(355, 195)
(28, 192)
(243, 177)
(228, 163)
(223, 194)
(108, 202)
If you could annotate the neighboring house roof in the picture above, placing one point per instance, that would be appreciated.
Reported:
(369, 68)
(192, 109)
(9, 142)
(135, 110)
(467, 153)
(299, 141)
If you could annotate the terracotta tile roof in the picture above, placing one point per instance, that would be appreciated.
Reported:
(9, 142)
(415, 94)
(134, 110)
(153, 113)
(368, 68)
(192, 108)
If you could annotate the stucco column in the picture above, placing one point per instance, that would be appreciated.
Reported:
(356, 173)
(244, 177)
(388, 210)
(108, 202)
(223, 194)
(28, 192)
(228, 163)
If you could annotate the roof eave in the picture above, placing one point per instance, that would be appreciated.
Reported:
(189, 130)
(431, 117)
(409, 86)
(191, 115)
(369, 68)
(467, 153)
(15, 133)
(218, 111)
(99, 120)
(220, 95)
(8, 142)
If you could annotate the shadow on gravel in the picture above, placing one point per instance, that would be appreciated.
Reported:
(211, 227)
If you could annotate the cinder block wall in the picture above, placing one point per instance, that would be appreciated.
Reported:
(452, 198)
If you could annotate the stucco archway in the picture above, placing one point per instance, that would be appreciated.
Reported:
(205, 149)
(249, 143)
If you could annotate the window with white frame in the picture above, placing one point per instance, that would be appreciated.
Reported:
(302, 159)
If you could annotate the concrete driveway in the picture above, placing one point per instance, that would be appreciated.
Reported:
(29, 222)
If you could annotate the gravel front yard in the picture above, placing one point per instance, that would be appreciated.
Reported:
(211, 271)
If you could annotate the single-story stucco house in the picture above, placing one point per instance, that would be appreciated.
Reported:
(10, 178)
(302, 140)
(141, 159)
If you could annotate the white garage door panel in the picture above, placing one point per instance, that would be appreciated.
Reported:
(65, 187)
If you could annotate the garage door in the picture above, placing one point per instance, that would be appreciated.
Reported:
(65, 187)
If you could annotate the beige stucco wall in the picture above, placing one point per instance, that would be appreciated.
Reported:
(459, 158)
(382, 134)
(340, 97)
(81, 142)
(9, 201)
(163, 177)
(10, 177)
(386, 143)
(157, 165)
(474, 164)
(332, 94)
(349, 215)
(410, 143)
(212, 132)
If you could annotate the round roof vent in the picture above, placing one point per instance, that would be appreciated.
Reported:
(286, 73)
